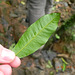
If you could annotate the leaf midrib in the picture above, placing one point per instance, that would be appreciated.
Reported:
(34, 37)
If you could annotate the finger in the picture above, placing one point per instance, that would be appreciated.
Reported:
(6, 69)
(1, 49)
(6, 55)
(1, 73)
(16, 62)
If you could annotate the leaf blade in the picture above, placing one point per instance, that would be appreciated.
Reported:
(44, 27)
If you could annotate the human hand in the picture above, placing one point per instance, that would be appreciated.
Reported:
(7, 60)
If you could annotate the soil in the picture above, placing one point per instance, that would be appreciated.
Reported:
(13, 25)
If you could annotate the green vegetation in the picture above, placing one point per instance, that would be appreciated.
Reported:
(49, 65)
(67, 30)
(37, 35)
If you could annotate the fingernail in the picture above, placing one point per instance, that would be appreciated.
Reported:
(7, 55)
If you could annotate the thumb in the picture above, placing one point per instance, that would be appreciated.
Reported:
(6, 55)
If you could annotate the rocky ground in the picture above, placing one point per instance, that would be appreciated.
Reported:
(53, 60)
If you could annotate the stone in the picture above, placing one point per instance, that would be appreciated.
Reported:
(44, 55)
(58, 64)
(34, 71)
(51, 54)
(65, 4)
(36, 55)
(18, 71)
(13, 15)
(65, 73)
(29, 63)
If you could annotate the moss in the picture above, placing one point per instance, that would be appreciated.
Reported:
(67, 29)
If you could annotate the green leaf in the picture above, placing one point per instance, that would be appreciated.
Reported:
(64, 61)
(51, 73)
(12, 46)
(64, 67)
(37, 35)
(49, 65)
(57, 36)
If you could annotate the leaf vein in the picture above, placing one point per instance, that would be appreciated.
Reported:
(34, 36)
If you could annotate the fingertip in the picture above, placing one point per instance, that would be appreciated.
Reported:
(7, 56)
(16, 63)
(1, 73)
(6, 69)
